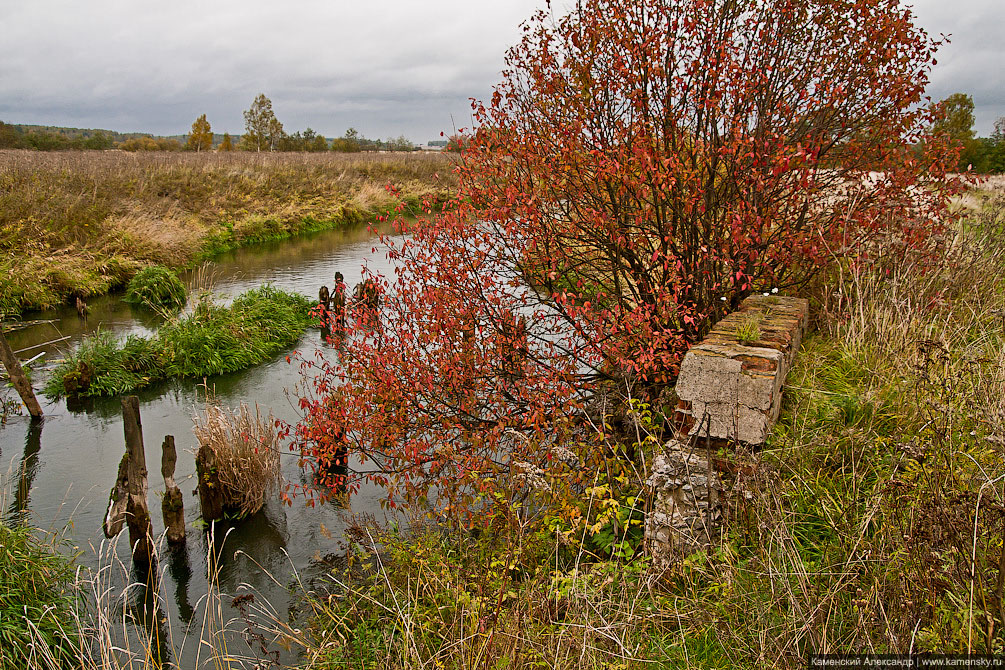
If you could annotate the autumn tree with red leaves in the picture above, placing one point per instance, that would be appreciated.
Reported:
(642, 168)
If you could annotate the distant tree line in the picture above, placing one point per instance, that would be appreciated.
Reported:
(983, 155)
(12, 137)
(262, 132)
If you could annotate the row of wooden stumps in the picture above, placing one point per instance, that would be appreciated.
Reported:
(127, 503)
(332, 306)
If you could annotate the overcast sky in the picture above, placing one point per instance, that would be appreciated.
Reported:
(385, 67)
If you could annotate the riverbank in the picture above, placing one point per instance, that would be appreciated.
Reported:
(871, 521)
(81, 224)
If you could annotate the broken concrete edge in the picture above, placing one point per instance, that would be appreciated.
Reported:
(731, 390)
(729, 395)
(685, 513)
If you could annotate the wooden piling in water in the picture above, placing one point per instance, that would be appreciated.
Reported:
(338, 304)
(18, 378)
(210, 492)
(324, 306)
(173, 504)
(127, 503)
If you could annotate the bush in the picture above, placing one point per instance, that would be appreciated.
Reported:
(645, 167)
(157, 288)
(37, 599)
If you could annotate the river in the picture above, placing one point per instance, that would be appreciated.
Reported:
(59, 471)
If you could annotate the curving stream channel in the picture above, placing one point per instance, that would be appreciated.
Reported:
(59, 471)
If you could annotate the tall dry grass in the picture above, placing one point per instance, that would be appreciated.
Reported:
(82, 223)
(246, 454)
(55, 613)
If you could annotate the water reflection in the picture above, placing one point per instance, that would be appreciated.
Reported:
(147, 613)
(27, 470)
(180, 572)
(248, 547)
(64, 472)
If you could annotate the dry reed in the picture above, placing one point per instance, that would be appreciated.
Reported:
(246, 448)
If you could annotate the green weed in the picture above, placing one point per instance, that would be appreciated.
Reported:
(157, 288)
(37, 598)
(212, 340)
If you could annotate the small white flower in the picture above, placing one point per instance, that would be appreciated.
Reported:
(723, 298)
(774, 290)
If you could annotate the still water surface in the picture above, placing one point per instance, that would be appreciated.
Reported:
(60, 471)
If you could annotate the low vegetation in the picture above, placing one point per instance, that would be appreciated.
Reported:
(37, 599)
(212, 340)
(157, 288)
(245, 455)
(81, 224)
(872, 521)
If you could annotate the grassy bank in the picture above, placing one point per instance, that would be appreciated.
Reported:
(37, 599)
(211, 340)
(80, 224)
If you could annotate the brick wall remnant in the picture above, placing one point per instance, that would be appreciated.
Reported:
(730, 389)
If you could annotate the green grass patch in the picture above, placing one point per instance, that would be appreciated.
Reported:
(213, 340)
(157, 288)
(37, 598)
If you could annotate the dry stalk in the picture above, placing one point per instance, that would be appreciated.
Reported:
(247, 454)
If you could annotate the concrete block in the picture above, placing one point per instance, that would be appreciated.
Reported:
(731, 390)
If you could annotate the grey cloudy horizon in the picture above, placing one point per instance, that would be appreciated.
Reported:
(386, 68)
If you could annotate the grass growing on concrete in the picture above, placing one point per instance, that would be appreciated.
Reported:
(213, 339)
(83, 223)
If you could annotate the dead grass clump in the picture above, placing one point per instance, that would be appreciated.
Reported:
(245, 449)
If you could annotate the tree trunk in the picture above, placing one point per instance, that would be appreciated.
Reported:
(18, 378)
(210, 494)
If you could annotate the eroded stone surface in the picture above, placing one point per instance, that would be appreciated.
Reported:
(731, 390)
(686, 514)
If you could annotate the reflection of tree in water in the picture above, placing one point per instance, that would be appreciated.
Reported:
(148, 615)
(27, 470)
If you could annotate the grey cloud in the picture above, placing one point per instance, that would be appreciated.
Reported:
(386, 67)
(972, 60)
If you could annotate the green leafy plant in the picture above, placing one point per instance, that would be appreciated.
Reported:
(37, 598)
(157, 288)
(212, 340)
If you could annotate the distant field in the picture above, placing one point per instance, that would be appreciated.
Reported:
(82, 223)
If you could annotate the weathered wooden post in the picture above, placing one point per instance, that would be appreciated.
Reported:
(172, 505)
(127, 503)
(338, 303)
(324, 305)
(210, 492)
(18, 378)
